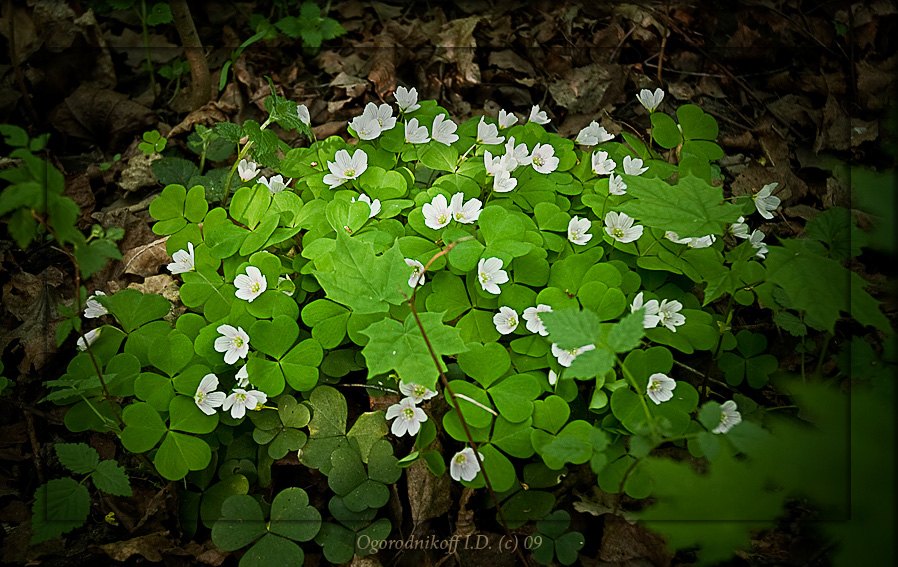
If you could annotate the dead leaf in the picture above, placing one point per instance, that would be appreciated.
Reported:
(456, 42)
(599, 503)
(162, 284)
(147, 546)
(329, 129)
(354, 86)
(623, 542)
(138, 173)
(429, 496)
(582, 89)
(32, 300)
(78, 189)
(797, 109)
(508, 59)
(835, 132)
(383, 64)
(862, 131)
(101, 116)
(208, 115)
(130, 44)
(147, 259)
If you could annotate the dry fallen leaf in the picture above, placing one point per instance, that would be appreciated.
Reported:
(456, 42)
(147, 546)
(429, 496)
(147, 259)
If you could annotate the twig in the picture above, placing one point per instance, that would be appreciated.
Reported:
(461, 418)
(201, 90)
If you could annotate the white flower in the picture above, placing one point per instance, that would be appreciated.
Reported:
(566, 357)
(765, 202)
(675, 238)
(534, 323)
(593, 134)
(620, 227)
(491, 164)
(183, 261)
(240, 400)
(417, 277)
(739, 229)
(275, 185)
(464, 465)
(408, 417)
(94, 308)
(407, 100)
(233, 342)
(437, 213)
(88, 339)
(491, 274)
(282, 279)
(302, 111)
(728, 417)
(669, 314)
(553, 378)
(466, 213)
(504, 182)
(242, 377)
(651, 318)
(650, 100)
(250, 285)
(416, 392)
(366, 127)
(247, 170)
(383, 114)
(206, 398)
(373, 205)
(660, 388)
(345, 168)
(633, 166)
(543, 158)
(578, 231)
(519, 152)
(415, 134)
(702, 241)
(488, 133)
(507, 119)
(602, 164)
(506, 320)
(616, 185)
(757, 242)
(538, 116)
(443, 130)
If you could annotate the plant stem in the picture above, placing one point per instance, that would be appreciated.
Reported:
(645, 406)
(142, 15)
(201, 89)
(452, 396)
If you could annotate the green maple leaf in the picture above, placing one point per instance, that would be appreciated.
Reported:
(401, 346)
(691, 208)
(362, 281)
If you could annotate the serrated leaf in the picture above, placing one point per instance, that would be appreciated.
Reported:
(79, 458)
(692, 208)
(60, 506)
(400, 346)
(362, 281)
(111, 479)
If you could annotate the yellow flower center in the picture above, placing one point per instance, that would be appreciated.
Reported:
(409, 413)
(238, 342)
(254, 288)
(618, 232)
(349, 173)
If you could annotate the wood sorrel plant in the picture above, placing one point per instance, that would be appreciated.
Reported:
(542, 288)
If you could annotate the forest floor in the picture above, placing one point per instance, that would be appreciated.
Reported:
(798, 89)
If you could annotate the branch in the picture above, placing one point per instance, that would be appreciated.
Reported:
(201, 91)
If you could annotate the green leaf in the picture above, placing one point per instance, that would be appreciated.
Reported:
(174, 170)
(172, 352)
(689, 516)
(838, 230)
(665, 131)
(821, 286)
(180, 453)
(241, 523)
(143, 427)
(274, 337)
(292, 517)
(485, 363)
(514, 396)
(327, 321)
(691, 208)
(362, 281)
(79, 458)
(327, 428)
(551, 414)
(60, 506)
(400, 346)
(111, 479)
(440, 157)
(132, 308)
(159, 14)
(696, 124)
